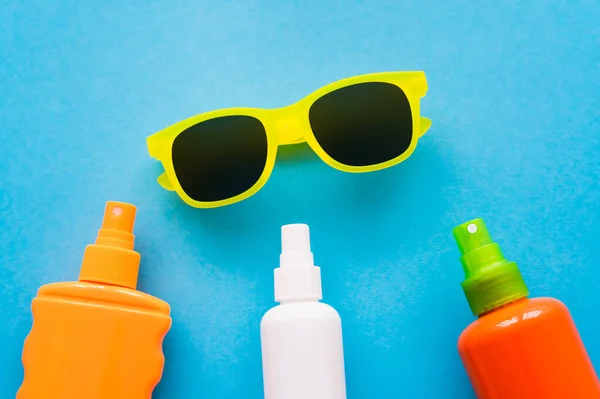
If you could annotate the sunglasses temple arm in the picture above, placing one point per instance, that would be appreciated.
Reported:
(425, 125)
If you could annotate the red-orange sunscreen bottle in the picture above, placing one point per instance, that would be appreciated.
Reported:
(97, 338)
(519, 348)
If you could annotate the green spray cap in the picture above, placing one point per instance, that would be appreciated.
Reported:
(490, 280)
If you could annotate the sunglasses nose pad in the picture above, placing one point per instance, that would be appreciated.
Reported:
(165, 182)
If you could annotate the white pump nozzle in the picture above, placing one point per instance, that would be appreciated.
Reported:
(295, 246)
(297, 278)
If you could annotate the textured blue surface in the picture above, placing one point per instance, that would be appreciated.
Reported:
(515, 102)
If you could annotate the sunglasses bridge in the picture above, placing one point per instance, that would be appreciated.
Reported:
(289, 128)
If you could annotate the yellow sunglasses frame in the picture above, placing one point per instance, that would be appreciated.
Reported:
(290, 125)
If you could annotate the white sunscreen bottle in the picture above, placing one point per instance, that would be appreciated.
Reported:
(302, 351)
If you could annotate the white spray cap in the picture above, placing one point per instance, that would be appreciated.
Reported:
(297, 278)
(295, 246)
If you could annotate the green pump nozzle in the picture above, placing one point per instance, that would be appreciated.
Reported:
(490, 279)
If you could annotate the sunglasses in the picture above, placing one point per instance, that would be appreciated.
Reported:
(359, 124)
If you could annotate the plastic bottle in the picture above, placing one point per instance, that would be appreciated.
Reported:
(301, 338)
(97, 338)
(519, 347)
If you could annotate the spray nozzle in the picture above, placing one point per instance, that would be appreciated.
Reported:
(119, 216)
(471, 235)
(476, 246)
(297, 277)
(295, 246)
(490, 279)
(117, 225)
(112, 259)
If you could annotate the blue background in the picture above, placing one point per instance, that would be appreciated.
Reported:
(514, 95)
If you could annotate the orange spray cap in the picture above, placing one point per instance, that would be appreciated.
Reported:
(112, 260)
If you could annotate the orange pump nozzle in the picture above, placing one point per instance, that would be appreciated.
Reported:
(112, 260)
(117, 225)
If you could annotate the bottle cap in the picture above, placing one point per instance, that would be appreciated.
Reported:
(112, 260)
(490, 280)
(297, 278)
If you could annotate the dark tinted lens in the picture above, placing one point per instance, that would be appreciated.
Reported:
(363, 124)
(220, 158)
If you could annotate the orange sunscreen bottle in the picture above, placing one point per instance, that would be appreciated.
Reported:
(519, 348)
(97, 338)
